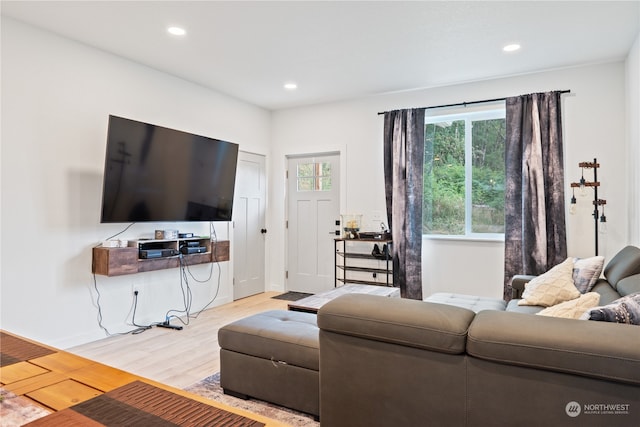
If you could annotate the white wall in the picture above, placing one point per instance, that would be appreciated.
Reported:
(633, 140)
(594, 126)
(56, 98)
(57, 94)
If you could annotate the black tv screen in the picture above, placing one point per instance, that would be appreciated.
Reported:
(157, 174)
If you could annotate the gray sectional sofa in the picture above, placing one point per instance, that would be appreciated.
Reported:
(456, 360)
(619, 279)
(400, 362)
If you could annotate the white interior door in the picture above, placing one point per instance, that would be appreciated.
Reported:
(313, 190)
(249, 226)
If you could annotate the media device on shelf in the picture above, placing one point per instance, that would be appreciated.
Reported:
(157, 174)
(188, 250)
(157, 253)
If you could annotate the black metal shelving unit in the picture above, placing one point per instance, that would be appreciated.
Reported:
(343, 255)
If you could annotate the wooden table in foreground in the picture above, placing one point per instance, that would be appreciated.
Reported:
(58, 380)
(313, 303)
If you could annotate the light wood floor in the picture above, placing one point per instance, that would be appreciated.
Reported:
(177, 358)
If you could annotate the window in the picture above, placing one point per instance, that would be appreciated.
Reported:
(313, 177)
(464, 174)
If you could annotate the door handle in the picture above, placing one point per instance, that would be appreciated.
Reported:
(263, 230)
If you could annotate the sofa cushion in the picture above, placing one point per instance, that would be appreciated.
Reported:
(572, 309)
(622, 310)
(564, 345)
(470, 302)
(625, 263)
(551, 288)
(412, 323)
(586, 272)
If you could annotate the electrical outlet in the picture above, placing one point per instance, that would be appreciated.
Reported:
(377, 219)
(135, 289)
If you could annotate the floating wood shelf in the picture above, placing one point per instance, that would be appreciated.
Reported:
(121, 261)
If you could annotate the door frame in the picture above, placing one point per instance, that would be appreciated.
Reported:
(342, 202)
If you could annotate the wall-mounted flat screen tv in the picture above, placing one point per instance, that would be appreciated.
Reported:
(152, 173)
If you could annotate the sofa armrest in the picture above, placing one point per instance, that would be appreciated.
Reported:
(517, 284)
(623, 264)
(392, 362)
(429, 326)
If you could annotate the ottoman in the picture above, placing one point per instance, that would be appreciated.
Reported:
(272, 356)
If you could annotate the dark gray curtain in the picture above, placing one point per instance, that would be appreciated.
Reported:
(403, 165)
(535, 231)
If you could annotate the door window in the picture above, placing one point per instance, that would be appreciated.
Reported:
(314, 176)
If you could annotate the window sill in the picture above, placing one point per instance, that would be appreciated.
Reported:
(494, 238)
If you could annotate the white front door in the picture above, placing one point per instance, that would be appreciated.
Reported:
(249, 226)
(313, 190)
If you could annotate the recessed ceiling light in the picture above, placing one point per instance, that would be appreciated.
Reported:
(290, 86)
(511, 47)
(177, 31)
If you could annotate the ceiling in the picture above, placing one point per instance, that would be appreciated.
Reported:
(336, 50)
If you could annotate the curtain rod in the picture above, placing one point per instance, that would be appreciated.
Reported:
(464, 104)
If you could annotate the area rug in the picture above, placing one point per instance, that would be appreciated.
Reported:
(14, 350)
(292, 296)
(210, 388)
(17, 410)
(141, 404)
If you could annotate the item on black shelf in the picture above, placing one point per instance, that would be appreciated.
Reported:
(185, 235)
(386, 252)
(376, 251)
(382, 254)
(193, 244)
(351, 225)
(376, 235)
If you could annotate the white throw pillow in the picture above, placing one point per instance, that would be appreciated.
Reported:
(586, 272)
(574, 308)
(551, 288)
